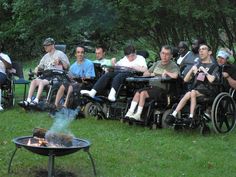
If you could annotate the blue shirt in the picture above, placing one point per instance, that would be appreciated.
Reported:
(83, 70)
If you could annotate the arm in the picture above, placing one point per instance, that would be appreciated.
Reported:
(173, 75)
(230, 80)
(7, 65)
(210, 77)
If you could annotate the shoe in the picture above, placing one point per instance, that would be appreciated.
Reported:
(112, 95)
(1, 108)
(170, 120)
(90, 93)
(136, 116)
(33, 103)
(129, 114)
(23, 103)
(111, 98)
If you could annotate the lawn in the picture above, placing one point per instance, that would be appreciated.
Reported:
(119, 150)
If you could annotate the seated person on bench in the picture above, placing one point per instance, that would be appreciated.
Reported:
(162, 68)
(82, 69)
(131, 60)
(228, 69)
(204, 74)
(53, 59)
(5, 63)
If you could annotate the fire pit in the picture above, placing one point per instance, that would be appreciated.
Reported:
(39, 146)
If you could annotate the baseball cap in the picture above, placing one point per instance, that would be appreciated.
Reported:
(49, 41)
(223, 54)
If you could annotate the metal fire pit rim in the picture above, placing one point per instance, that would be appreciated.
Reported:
(16, 141)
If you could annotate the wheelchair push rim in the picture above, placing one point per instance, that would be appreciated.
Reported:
(223, 113)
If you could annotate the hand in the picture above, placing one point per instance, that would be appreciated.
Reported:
(194, 69)
(57, 61)
(147, 73)
(164, 74)
(113, 61)
(201, 68)
(225, 75)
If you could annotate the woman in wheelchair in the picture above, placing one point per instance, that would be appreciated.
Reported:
(204, 74)
(5, 63)
(163, 68)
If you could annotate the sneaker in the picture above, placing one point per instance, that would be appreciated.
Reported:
(170, 120)
(33, 103)
(86, 92)
(111, 98)
(129, 114)
(23, 103)
(136, 116)
(1, 108)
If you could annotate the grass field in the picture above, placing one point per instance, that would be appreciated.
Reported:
(119, 150)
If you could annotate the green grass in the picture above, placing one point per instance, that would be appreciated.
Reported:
(119, 150)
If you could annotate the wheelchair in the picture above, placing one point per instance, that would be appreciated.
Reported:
(217, 113)
(154, 110)
(8, 98)
(101, 108)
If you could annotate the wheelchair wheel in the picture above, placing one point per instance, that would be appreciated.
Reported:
(90, 109)
(164, 116)
(232, 93)
(223, 113)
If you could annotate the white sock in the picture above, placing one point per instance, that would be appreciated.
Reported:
(36, 100)
(191, 115)
(92, 93)
(112, 94)
(133, 106)
(140, 109)
(174, 113)
(28, 100)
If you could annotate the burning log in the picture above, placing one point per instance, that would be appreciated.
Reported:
(59, 139)
(39, 132)
(53, 138)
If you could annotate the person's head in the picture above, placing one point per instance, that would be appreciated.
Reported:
(79, 53)
(205, 52)
(100, 52)
(196, 44)
(166, 54)
(182, 48)
(222, 57)
(49, 44)
(130, 52)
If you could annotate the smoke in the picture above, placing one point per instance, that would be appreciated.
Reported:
(60, 130)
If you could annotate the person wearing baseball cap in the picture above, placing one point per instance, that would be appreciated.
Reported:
(53, 59)
(228, 71)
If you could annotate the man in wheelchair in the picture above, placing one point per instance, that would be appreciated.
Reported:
(131, 62)
(5, 63)
(228, 71)
(204, 74)
(81, 74)
(161, 69)
(53, 59)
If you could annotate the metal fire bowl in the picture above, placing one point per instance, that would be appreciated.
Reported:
(78, 144)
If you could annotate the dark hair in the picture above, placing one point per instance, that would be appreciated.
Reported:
(209, 47)
(129, 50)
(167, 47)
(100, 46)
(183, 44)
(80, 46)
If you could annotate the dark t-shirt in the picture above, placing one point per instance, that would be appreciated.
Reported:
(231, 70)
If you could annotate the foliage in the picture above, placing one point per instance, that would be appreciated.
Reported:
(24, 24)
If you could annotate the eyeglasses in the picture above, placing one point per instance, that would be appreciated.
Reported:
(164, 53)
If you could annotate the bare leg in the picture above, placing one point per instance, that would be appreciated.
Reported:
(183, 102)
(194, 95)
(33, 85)
(136, 97)
(143, 96)
(59, 95)
(42, 84)
(70, 90)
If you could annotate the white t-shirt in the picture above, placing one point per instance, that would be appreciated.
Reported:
(47, 62)
(2, 66)
(138, 62)
(103, 62)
